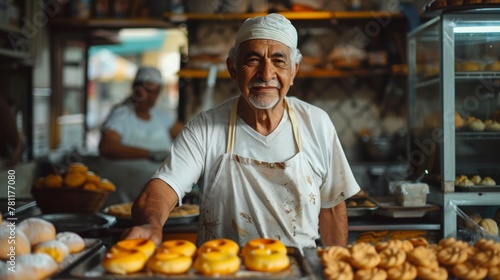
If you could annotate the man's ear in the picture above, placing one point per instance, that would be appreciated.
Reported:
(230, 68)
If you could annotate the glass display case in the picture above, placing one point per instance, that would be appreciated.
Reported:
(454, 113)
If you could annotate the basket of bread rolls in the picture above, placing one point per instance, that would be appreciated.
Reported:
(78, 190)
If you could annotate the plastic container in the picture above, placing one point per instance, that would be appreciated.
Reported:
(411, 194)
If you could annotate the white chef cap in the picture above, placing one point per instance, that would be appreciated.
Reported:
(272, 26)
(148, 74)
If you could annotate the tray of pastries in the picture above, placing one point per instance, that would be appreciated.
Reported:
(40, 250)
(181, 215)
(476, 183)
(358, 206)
(182, 259)
(413, 258)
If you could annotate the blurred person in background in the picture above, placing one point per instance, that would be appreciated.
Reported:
(137, 129)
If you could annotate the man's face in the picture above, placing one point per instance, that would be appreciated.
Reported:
(146, 95)
(264, 72)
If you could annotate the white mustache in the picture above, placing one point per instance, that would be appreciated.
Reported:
(260, 83)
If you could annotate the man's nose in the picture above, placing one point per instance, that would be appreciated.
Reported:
(267, 71)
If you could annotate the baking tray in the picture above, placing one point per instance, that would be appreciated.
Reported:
(91, 247)
(360, 210)
(91, 268)
(79, 222)
(122, 222)
(391, 209)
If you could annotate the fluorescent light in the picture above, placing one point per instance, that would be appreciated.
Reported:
(477, 29)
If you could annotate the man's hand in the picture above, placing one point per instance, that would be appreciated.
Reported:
(144, 231)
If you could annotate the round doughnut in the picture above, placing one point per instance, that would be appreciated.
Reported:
(403, 272)
(364, 256)
(335, 254)
(54, 248)
(146, 246)
(106, 185)
(391, 257)
(22, 244)
(182, 247)
(452, 256)
(37, 230)
(120, 260)
(487, 259)
(214, 262)
(53, 181)
(220, 245)
(469, 270)
(78, 167)
(494, 273)
(33, 266)
(338, 270)
(437, 273)
(423, 256)
(264, 243)
(371, 274)
(74, 179)
(266, 260)
(74, 241)
(169, 263)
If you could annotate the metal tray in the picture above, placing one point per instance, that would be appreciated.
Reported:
(91, 247)
(79, 222)
(478, 188)
(360, 210)
(91, 268)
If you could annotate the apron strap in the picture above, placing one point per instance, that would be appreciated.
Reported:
(232, 126)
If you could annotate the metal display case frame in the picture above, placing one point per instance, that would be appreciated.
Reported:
(442, 84)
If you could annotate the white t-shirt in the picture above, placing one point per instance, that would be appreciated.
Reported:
(198, 150)
(152, 134)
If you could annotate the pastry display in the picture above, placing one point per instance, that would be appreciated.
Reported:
(77, 176)
(489, 225)
(493, 66)
(474, 124)
(475, 180)
(470, 65)
(450, 258)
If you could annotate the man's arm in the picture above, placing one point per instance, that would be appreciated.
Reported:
(333, 226)
(150, 211)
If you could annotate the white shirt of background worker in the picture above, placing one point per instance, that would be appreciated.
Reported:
(136, 128)
(267, 165)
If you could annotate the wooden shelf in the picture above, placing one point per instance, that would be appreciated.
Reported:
(109, 23)
(319, 15)
(10, 28)
(317, 73)
(14, 54)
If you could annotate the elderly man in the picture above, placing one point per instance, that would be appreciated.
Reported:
(267, 165)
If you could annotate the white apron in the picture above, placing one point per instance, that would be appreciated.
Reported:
(250, 198)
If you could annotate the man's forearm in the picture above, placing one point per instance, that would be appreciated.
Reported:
(333, 226)
(154, 204)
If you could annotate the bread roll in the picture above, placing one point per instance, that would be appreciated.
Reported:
(54, 248)
(10, 239)
(74, 241)
(37, 230)
(490, 225)
(35, 266)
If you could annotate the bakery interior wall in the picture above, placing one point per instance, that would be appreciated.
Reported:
(359, 105)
